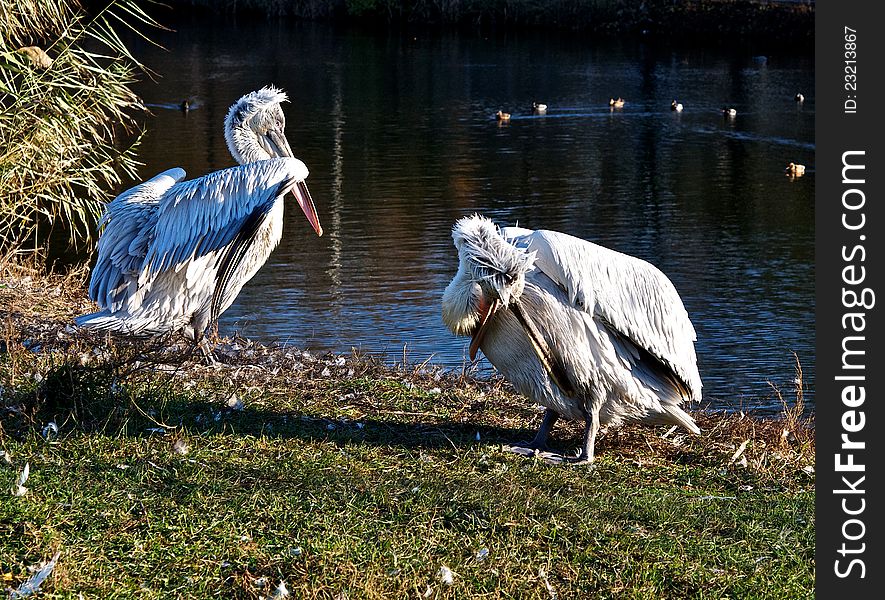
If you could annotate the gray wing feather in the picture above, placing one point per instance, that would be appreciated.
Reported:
(631, 296)
(202, 216)
(125, 237)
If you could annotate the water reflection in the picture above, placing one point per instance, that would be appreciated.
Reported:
(400, 137)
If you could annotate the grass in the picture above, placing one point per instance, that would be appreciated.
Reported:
(65, 110)
(347, 478)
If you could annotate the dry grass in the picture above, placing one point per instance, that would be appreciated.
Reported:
(65, 109)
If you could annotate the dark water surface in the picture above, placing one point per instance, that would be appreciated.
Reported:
(399, 134)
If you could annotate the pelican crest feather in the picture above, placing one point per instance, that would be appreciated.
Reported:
(489, 257)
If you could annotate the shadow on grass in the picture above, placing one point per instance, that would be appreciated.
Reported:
(207, 419)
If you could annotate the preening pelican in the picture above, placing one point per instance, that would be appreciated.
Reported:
(592, 334)
(174, 254)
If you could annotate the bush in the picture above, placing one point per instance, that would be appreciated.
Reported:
(65, 107)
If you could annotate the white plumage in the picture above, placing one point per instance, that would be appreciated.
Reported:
(174, 254)
(590, 333)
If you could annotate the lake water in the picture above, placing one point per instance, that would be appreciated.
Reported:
(399, 134)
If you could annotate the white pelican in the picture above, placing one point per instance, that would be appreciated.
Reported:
(174, 254)
(592, 334)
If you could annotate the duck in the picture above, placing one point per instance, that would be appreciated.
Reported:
(616, 103)
(502, 116)
(729, 112)
(677, 106)
(795, 170)
(539, 108)
(37, 56)
(185, 106)
(800, 98)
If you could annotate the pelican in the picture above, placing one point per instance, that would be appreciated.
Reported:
(591, 334)
(616, 103)
(539, 108)
(174, 254)
(677, 106)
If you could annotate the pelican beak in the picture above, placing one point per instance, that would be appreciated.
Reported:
(487, 311)
(553, 366)
(278, 143)
(302, 195)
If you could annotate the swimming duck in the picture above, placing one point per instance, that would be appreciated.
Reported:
(729, 112)
(185, 105)
(677, 106)
(616, 103)
(502, 116)
(539, 108)
(795, 170)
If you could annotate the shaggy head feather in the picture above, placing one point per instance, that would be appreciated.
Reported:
(251, 117)
(495, 264)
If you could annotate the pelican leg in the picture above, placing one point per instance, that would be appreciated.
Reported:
(540, 441)
(205, 348)
(539, 444)
(591, 428)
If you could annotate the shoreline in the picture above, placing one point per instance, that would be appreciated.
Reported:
(775, 22)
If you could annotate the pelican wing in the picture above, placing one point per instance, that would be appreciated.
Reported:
(202, 216)
(234, 255)
(125, 238)
(630, 296)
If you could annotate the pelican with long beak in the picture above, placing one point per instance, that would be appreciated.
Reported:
(173, 255)
(591, 334)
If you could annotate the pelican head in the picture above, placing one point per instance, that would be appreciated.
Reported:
(254, 128)
(491, 277)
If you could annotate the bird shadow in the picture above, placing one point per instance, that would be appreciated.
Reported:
(406, 433)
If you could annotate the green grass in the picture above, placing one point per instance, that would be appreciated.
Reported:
(357, 480)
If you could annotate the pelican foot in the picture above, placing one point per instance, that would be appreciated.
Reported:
(582, 458)
(523, 450)
(551, 458)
